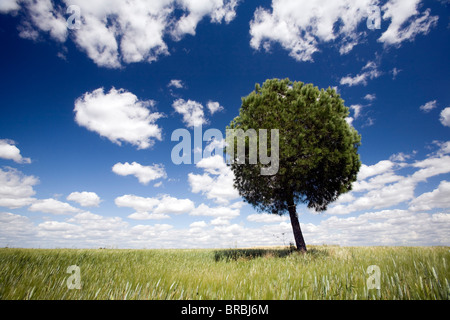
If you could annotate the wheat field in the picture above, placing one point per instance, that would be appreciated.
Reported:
(325, 272)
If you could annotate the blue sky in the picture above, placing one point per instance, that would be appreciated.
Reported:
(89, 102)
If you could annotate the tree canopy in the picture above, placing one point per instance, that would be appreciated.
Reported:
(317, 149)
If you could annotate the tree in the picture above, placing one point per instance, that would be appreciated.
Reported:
(317, 149)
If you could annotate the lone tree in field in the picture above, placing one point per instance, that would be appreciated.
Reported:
(318, 159)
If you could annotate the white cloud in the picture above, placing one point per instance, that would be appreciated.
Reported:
(9, 5)
(218, 10)
(170, 204)
(139, 204)
(9, 151)
(381, 187)
(427, 107)
(387, 227)
(220, 221)
(14, 229)
(85, 230)
(85, 198)
(57, 226)
(223, 212)
(370, 97)
(216, 183)
(356, 110)
(162, 205)
(438, 198)
(401, 157)
(53, 206)
(41, 15)
(445, 117)
(302, 26)
(444, 148)
(198, 224)
(114, 32)
(405, 21)
(395, 72)
(16, 189)
(214, 147)
(376, 169)
(93, 224)
(370, 71)
(144, 174)
(213, 107)
(431, 167)
(369, 122)
(148, 216)
(176, 84)
(191, 111)
(213, 165)
(119, 116)
(266, 218)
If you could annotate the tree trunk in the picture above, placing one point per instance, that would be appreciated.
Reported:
(298, 236)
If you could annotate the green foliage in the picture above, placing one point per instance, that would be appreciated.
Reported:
(318, 157)
(324, 272)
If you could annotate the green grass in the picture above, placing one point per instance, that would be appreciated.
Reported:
(325, 272)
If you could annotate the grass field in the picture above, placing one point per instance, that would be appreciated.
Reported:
(325, 272)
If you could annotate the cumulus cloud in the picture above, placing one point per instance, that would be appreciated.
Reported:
(266, 218)
(401, 156)
(169, 205)
(427, 107)
(220, 221)
(221, 211)
(380, 186)
(213, 165)
(144, 174)
(349, 120)
(192, 112)
(154, 208)
(116, 32)
(15, 228)
(217, 10)
(356, 110)
(438, 198)
(140, 204)
(369, 72)
(85, 229)
(217, 181)
(118, 116)
(85, 198)
(302, 26)
(9, 6)
(370, 97)
(406, 21)
(53, 206)
(376, 169)
(445, 117)
(386, 227)
(148, 216)
(198, 224)
(176, 84)
(16, 189)
(42, 17)
(213, 107)
(9, 151)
